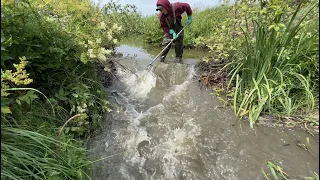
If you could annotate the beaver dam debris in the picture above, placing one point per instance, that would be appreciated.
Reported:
(213, 74)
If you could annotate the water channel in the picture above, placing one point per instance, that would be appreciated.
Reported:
(164, 127)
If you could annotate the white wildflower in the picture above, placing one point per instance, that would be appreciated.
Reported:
(90, 42)
(115, 41)
(103, 25)
(309, 34)
(91, 54)
(84, 105)
(102, 57)
(115, 26)
(98, 41)
(109, 35)
(108, 51)
(102, 50)
(80, 109)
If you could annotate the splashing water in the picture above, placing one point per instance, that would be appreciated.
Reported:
(167, 128)
(138, 87)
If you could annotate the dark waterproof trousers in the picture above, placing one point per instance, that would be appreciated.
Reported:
(178, 43)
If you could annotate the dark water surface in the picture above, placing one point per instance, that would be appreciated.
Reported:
(164, 127)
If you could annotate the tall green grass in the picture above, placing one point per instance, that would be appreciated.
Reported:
(31, 149)
(31, 155)
(273, 75)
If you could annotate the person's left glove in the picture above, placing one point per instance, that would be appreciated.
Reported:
(189, 21)
(174, 35)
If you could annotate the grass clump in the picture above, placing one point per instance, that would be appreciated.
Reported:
(274, 74)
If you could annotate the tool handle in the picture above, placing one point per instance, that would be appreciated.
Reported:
(165, 47)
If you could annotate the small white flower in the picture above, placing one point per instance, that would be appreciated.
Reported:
(309, 34)
(102, 50)
(108, 51)
(109, 35)
(90, 42)
(98, 41)
(103, 25)
(115, 41)
(80, 110)
(115, 26)
(102, 57)
(84, 105)
(91, 54)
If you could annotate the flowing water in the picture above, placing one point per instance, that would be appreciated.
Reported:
(164, 127)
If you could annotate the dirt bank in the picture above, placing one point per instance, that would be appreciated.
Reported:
(213, 75)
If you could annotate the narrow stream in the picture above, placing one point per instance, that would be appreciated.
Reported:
(164, 127)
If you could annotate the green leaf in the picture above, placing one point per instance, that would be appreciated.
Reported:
(18, 101)
(29, 97)
(5, 101)
(5, 110)
(55, 177)
(61, 91)
(66, 130)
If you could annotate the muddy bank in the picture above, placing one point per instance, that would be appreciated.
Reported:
(214, 75)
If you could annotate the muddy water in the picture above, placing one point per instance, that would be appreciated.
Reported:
(164, 127)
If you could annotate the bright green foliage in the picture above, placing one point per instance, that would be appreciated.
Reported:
(50, 47)
(278, 173)
(275, 171)
(31, 148)
(274, 73)
(152, 32)
(59, 39)
(126, 16)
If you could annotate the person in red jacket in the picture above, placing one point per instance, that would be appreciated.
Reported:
(170, 21)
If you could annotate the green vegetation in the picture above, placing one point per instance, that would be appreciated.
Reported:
(274, 74)
(50, 94)
(278, 173)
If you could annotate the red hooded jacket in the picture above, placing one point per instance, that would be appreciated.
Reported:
(179, 9)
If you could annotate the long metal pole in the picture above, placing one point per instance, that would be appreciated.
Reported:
(150, 64)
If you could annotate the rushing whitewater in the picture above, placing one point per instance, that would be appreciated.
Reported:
(164, 127)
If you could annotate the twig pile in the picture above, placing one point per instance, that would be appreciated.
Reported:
(213, 74)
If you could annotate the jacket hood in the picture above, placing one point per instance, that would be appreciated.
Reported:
(166, 4)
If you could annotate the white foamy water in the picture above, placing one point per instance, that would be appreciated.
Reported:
(168, 142)
(138, 87)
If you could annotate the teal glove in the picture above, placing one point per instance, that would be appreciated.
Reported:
(174, 35)
(189, 21)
